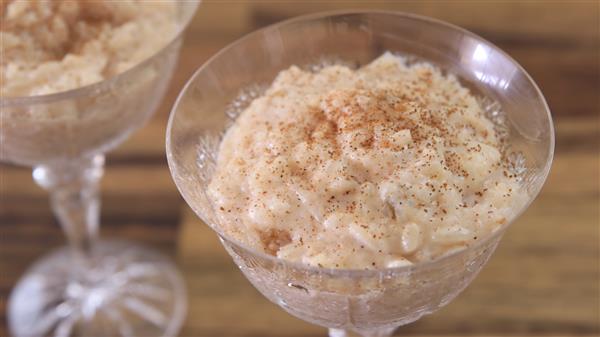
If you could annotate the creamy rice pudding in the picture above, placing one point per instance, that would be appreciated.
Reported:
(53, 46)
(384, 166)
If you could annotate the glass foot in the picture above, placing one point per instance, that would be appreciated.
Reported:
(383, 332)
(125, 291)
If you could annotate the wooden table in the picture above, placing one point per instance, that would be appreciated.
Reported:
(544, 277)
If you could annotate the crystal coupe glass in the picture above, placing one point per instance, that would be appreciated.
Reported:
(92, 288)
(366, 302)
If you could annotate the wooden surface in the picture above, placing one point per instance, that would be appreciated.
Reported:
(544, 277)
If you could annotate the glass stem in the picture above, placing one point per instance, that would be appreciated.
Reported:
(74, 197)
(386, 332)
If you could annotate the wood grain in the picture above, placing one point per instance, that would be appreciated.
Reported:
(543, 279)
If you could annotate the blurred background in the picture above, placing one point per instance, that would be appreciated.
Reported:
(544, 277)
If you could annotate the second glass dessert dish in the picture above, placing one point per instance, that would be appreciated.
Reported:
(360, 167)
(71, 91)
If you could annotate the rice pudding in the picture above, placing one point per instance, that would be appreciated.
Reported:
(384, 166)
(53, 46)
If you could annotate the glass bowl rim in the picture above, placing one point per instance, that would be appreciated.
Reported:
(15, 101)
(355, 272)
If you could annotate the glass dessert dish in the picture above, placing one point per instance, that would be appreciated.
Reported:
(91, 288)
(349, 301)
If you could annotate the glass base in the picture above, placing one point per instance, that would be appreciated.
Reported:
(384, 332)
(124, 291)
